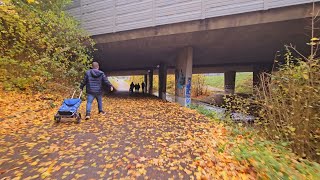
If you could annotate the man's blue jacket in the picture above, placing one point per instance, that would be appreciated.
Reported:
(93, 80)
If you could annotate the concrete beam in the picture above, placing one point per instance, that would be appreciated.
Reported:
(222, 68)
(237, 20)
(127, 73)
(203, 69)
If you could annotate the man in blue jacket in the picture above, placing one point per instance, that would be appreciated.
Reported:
(93, 80)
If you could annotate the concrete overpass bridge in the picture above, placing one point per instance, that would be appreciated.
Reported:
(144, 37)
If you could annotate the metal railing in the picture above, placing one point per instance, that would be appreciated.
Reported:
(108, 16)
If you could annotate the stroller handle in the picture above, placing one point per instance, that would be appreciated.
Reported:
(74, 92)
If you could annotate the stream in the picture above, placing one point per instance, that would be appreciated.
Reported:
(219, 111)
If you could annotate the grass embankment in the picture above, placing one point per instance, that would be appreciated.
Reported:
(243, 82)
(270, 160)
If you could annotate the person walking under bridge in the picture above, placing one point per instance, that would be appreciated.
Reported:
(94, 79)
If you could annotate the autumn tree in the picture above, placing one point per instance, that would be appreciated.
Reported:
(39, 43)
(198, 85)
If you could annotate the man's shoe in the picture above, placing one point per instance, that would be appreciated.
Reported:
(87, 117)
(102, 113)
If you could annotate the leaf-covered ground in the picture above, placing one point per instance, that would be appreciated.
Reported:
(140, 137)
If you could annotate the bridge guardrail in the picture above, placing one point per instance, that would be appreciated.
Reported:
(108, 16)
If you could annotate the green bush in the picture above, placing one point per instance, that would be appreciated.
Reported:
(40, 42)
(287, 105)
(268, 159)
(204, 111)
(290, 105)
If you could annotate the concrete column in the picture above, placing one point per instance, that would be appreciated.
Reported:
(258, 72)
(183, 74)
(229, 82)
(145, 83)
(256, 78)
(162, 81)
(150, 82)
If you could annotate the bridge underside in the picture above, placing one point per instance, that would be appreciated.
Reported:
(231, 41)
(231, 47)
(237, 43)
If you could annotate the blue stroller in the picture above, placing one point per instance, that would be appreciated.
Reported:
(69, 109)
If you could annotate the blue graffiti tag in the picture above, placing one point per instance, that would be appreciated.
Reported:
(188, 92)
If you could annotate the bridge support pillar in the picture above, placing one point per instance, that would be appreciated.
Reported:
(150, 91)
(257, 73)
(145, 83)
(229, 82)
(162, 81)
(256, 78)
(183, 74)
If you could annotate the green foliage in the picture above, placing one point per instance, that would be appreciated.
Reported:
(211, 114)
(287, 106)
(40, 42)
(290, 105)
(197, 82)
(215, 81)
(269, 159)
(244, 82)
(155, 83)
(240, 103)
(171, 84)
(136, 79)
(273, 161)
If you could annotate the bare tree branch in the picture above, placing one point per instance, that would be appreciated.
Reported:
(293, 48)
(315, 16)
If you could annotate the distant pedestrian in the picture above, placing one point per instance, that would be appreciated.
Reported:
(131, 87)
(93, 80)
(138, 86)
(143, 86)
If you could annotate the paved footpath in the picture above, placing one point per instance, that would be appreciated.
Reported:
(139, 138)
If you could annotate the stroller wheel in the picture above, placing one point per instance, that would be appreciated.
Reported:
(78, 118)
(57, 119)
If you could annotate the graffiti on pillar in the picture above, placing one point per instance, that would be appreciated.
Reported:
(180, 83)
(229, 86)
(188, 92)
(181, 80)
